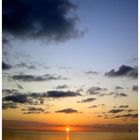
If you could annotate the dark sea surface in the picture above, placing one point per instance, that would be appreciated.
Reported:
(26, 135)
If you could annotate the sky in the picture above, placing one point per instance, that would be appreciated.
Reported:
(70, 63)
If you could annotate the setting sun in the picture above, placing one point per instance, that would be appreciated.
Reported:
(67, 129)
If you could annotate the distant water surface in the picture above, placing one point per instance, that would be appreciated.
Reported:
(22, 135)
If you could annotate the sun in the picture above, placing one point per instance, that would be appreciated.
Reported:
(67, 129)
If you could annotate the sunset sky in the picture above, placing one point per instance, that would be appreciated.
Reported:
(70, 63)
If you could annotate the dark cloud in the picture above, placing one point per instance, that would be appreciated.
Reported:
(99, 116)
(121, 95)
(9, 105)
(87, 100)
(48, 19)
(123, 106)
(116, 94)
(67, 111)
(116, 110)
(127, 116)
(61, 86)
(94, 106)
(118, 87)
(135, 88)
(19, 98)
(130, 110)
(95, 90)
(6, 66)
(30, 78)
(37, 98)
(33, 110)
(126, 71)
(60, 94)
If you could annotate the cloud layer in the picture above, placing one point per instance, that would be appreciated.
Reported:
(30, 78)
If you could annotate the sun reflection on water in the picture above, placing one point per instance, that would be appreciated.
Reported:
(67, 136)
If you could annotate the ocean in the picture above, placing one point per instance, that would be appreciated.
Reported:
(28, 135)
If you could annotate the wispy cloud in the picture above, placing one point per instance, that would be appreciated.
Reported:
(95, 90)
(24, 65)
(30, 78)
(61, 86)
(116, 94)
(19, 86)
(91, 72)
(34, 110)
(127, 116)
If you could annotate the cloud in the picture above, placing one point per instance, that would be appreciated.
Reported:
(124, 71)
(87, 100)
(37, 98)
(60, 94)
(33, 110)
(30, 78)
(91, 72)
(19, 98)
(116, 94)
(9, 105)
(53, 94)
(127, 116)
(19, 86)
(9, 91)
(123, 106)
(24, 65)
(135, 88)
(95, 90)
(61, 86)
(67, 111)
(99, 116)
(116, 110)
(118, 87)
(94, 106)
(6, 66)
(130, 110)
(121, 95)
(80, 90)
(48, 19)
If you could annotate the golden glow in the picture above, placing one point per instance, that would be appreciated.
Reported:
(67, 136)
(67, 129)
